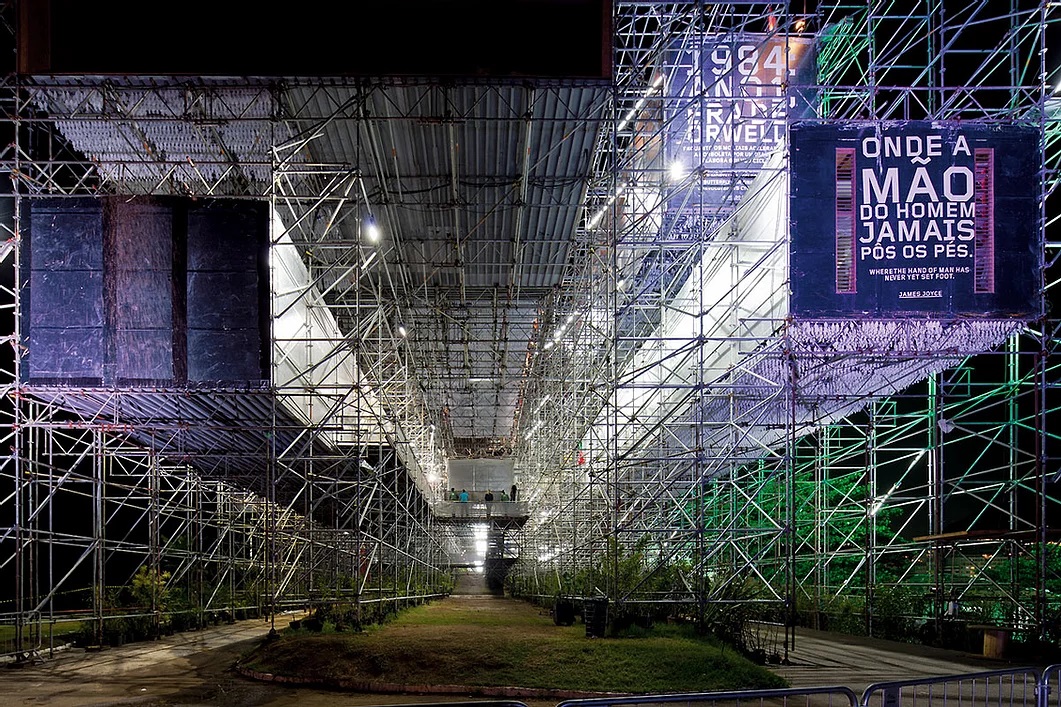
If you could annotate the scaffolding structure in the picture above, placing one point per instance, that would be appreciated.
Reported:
(892, 476)
(512, 268)
(217, 501)
(414, 224)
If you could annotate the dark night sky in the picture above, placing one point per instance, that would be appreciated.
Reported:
(490, 38)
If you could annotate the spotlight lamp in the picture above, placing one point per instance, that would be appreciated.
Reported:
(372, 232)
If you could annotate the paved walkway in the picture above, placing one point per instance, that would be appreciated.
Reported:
(195, 668)
(823, 658)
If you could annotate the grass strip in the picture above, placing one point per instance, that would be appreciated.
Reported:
(500, 642)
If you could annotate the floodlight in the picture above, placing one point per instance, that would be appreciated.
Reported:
(372, 232)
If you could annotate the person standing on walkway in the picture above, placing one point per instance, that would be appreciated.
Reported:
(464, 502)
(489, 498)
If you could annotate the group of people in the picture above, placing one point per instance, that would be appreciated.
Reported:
(488, 498)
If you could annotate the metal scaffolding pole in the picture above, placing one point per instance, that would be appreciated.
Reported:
(894, 503)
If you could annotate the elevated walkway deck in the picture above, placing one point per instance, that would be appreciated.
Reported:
(503, 513)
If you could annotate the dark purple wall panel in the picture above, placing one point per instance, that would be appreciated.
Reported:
(63, 312)
(121, 291)
(225, 246)
(222, 356)
(140, 271)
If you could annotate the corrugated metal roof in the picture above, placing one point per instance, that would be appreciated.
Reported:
(479, 187)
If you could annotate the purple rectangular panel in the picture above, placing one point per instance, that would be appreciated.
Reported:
(227, 292)
(144, 356)
(65, 299)
(140, 277)
(63, 317)
(216, 356)
(136, 291)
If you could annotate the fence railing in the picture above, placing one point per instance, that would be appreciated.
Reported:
(481, 509)
(997, 688)
(465, 703)
(31, 636)
(1050, 687)
(1024, 687)
(782, 697)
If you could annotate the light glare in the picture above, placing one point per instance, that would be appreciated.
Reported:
(372, 231)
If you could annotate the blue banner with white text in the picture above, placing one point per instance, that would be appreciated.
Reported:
(729, 100)
(915, 218)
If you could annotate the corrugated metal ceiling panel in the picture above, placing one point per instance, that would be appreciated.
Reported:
(448, 163)
(478, 186)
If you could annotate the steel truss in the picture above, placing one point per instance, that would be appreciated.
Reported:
(312, 488)
(677, 435)
(694, 448)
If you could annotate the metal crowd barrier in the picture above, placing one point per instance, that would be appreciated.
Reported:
(1019, 687)
(782, 697)
(464, 703)
(1050, 686)
(31, 636)
(1024, 687)
(997, 688)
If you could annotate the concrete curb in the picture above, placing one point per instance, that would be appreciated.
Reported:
(390, 688)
